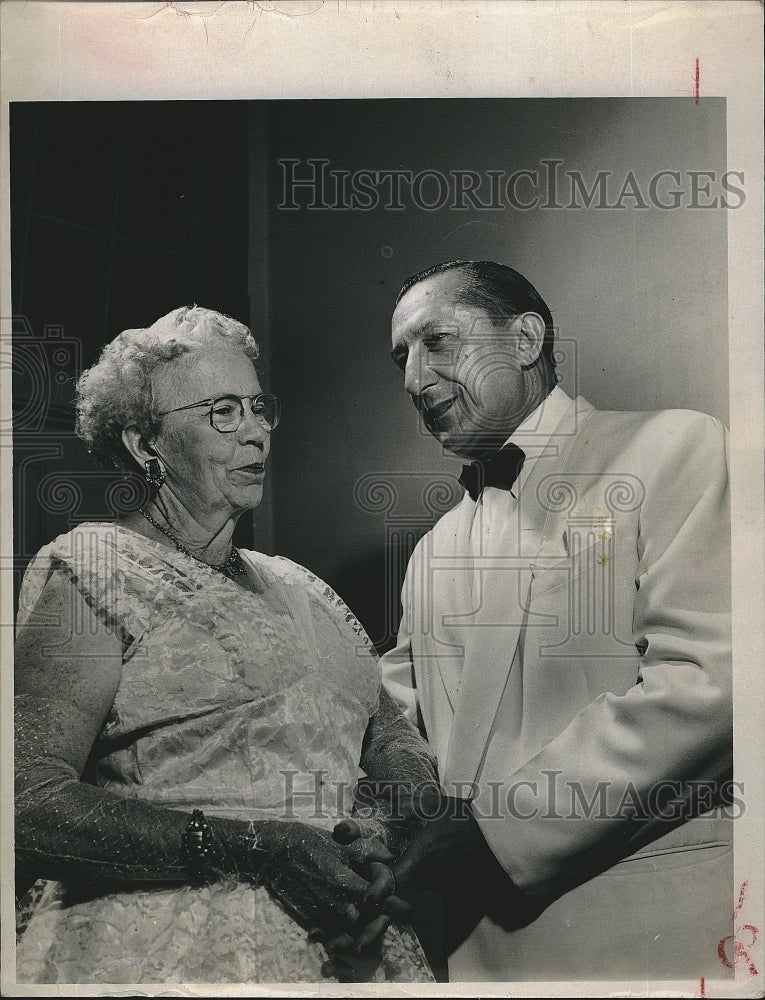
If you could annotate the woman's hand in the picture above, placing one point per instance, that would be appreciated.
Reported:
(380, 904)
(325, 886)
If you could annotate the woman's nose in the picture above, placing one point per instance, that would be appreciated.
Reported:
(254, 427)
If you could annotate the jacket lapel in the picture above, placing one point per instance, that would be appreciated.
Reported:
(504, 609)
(449, 588)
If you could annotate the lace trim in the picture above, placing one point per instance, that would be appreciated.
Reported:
(332, 598)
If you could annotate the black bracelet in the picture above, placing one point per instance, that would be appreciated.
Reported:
(196, 842)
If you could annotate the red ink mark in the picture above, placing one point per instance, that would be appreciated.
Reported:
(696, 90)
(740, 953)
(702, 988)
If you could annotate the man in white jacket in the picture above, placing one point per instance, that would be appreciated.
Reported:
(565, 644)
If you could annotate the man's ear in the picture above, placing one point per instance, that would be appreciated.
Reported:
(137, 445)
(531, 338)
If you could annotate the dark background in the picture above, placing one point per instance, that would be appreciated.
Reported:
(121, 212)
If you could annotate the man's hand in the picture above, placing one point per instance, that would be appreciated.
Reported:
(448, 842)
(450, 856)
(447, 851)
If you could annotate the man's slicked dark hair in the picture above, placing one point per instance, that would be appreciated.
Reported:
(500, 291)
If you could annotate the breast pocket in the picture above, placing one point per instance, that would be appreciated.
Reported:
(585, 601)
(554, 573)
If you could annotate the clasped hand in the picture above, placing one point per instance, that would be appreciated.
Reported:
(341, 892)
(447, 853)
(446, 838)
(343, 887)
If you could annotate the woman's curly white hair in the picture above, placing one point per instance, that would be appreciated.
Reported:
(117, 392)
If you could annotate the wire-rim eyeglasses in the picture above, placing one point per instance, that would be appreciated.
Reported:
(227, 411)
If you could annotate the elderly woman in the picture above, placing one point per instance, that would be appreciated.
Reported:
(191, 717)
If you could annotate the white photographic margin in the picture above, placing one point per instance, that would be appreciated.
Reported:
(70, 51)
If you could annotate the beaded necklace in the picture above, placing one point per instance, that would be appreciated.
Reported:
(233, 566)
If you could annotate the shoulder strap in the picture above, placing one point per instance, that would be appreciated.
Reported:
(91, 559)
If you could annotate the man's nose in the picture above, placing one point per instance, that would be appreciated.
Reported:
(417, 375)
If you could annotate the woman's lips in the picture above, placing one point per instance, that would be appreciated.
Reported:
(255, 469)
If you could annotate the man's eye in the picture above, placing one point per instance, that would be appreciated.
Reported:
(436, 341)
(223, 410)
(399, 359)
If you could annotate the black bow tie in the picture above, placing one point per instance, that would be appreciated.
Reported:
(499, 470)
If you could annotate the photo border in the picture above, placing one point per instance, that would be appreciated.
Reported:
(444, 48)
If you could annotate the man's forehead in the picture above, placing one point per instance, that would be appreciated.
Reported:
(430, 299)
(444, 287)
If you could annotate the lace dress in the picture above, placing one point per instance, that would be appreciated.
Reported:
(248, 705)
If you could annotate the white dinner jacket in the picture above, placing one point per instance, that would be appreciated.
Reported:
(596, 649)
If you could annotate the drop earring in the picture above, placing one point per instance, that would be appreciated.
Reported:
(155, 474)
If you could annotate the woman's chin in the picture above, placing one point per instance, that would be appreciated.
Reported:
(244, 498)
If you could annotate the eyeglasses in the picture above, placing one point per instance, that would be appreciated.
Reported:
(227, 412)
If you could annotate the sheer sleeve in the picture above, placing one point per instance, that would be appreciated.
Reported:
(351, 637)
(68, 665)
(400, 769)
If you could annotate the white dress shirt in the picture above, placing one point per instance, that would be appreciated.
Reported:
(494, 523)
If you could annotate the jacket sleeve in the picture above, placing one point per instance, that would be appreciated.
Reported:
(639, 759)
